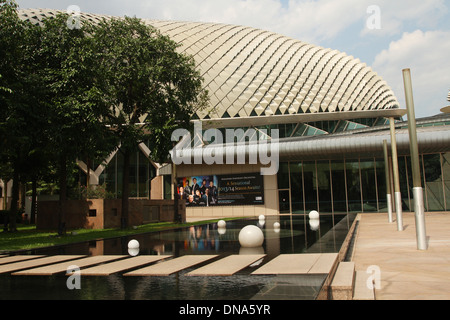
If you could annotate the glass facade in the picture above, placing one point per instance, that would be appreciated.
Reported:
(141, 174)
(358, 185)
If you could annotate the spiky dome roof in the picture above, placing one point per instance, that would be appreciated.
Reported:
(250, 72)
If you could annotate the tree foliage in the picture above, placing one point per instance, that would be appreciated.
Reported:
(22, 116)
(79, 93)
(151, 88)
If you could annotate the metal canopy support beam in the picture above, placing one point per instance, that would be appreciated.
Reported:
(417, 190)
(397, 193)
(299, 118)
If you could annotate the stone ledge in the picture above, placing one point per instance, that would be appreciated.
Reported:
(343, 281)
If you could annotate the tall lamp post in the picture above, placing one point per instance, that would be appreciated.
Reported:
(388, 181)
(397, 192)
(417, 190)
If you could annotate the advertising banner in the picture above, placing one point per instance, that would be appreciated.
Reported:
(222, 190)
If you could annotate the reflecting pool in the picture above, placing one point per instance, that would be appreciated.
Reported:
(296, 234)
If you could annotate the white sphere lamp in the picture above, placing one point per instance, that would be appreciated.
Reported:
(222, 224)
(133, 248)
(133, 244)
(251, 237)
(314, 215)
(314, 224)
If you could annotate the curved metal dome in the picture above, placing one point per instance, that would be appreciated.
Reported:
(250, 72)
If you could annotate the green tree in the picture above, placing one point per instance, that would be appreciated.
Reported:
(69, 71)
(151, 88)
(21, 115)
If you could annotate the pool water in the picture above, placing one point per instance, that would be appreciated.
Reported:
(296, 235)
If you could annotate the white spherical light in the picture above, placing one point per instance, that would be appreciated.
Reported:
(221, 224)
(314, 224)
(262, 217)
(314, 215)
(133, 252)
(133, 244)
(251, 237)
(276, 225)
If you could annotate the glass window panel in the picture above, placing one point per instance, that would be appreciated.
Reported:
(286, 130)
(433, 183)
(284, 201)
(300, 130)
(324, 187)
(311, 131)
(338, 181)
(353, 186)
(446, 175)
(310, 183)
(341, 126)
(133, 175)
(381, 183)
(405, 177)
(109, 175)
(369, 186)
(167, 187)
(143, 174)
(296, 187)
(283, 176)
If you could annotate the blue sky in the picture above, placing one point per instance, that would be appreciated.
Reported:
(386, 35)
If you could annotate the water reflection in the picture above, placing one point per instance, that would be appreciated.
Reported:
(294, 235)
(282, 235)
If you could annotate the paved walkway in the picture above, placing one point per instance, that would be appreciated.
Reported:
(406, 273)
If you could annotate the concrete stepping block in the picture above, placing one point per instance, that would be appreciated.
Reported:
(299, 264)
(172, 266)
(62, 267)
(12, 259)
(121, 265)
(35, 263)
(227, 266)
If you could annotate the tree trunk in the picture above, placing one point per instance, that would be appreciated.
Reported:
(14, 201)
(62, 196)
(125, 188)
(5, 192)
(33, 201)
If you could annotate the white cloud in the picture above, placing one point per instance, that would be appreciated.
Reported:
(309, 20)
(426, 54)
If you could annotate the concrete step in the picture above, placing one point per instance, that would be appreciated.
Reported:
(343, 282)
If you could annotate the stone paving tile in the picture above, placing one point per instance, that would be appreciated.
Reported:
(406, 272)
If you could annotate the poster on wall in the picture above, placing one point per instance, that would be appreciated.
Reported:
(222, 190)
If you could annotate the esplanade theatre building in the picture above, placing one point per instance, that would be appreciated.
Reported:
(291, 127)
